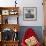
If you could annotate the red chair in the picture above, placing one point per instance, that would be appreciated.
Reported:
(29, 33)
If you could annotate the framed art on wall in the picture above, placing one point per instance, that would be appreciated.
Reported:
(30, 13)
(5, 12)
(9, 19)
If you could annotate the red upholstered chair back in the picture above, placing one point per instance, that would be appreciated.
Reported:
(29, 33)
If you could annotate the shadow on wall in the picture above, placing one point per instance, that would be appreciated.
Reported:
(37, 29)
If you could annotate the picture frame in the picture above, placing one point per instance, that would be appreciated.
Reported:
(30, 13)
(13, 12)
(5, 12)
(9, 19)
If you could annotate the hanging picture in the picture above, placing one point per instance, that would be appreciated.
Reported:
(5, 12)
(30, 13)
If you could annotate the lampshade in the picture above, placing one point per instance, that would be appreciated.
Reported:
(15, 30)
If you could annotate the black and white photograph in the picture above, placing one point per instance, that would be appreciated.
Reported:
(29, 13)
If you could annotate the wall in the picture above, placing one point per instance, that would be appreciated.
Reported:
(27, 3)
(38, 5)
(44, 12)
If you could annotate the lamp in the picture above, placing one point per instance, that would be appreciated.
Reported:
(15, 30)
(15, 3)
(15, 37)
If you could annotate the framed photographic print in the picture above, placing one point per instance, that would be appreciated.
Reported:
(30, 13)
(9, 19)
(5, 12)
(13, 12)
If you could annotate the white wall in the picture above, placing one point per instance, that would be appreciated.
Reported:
(27, 3)
(38, 5)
